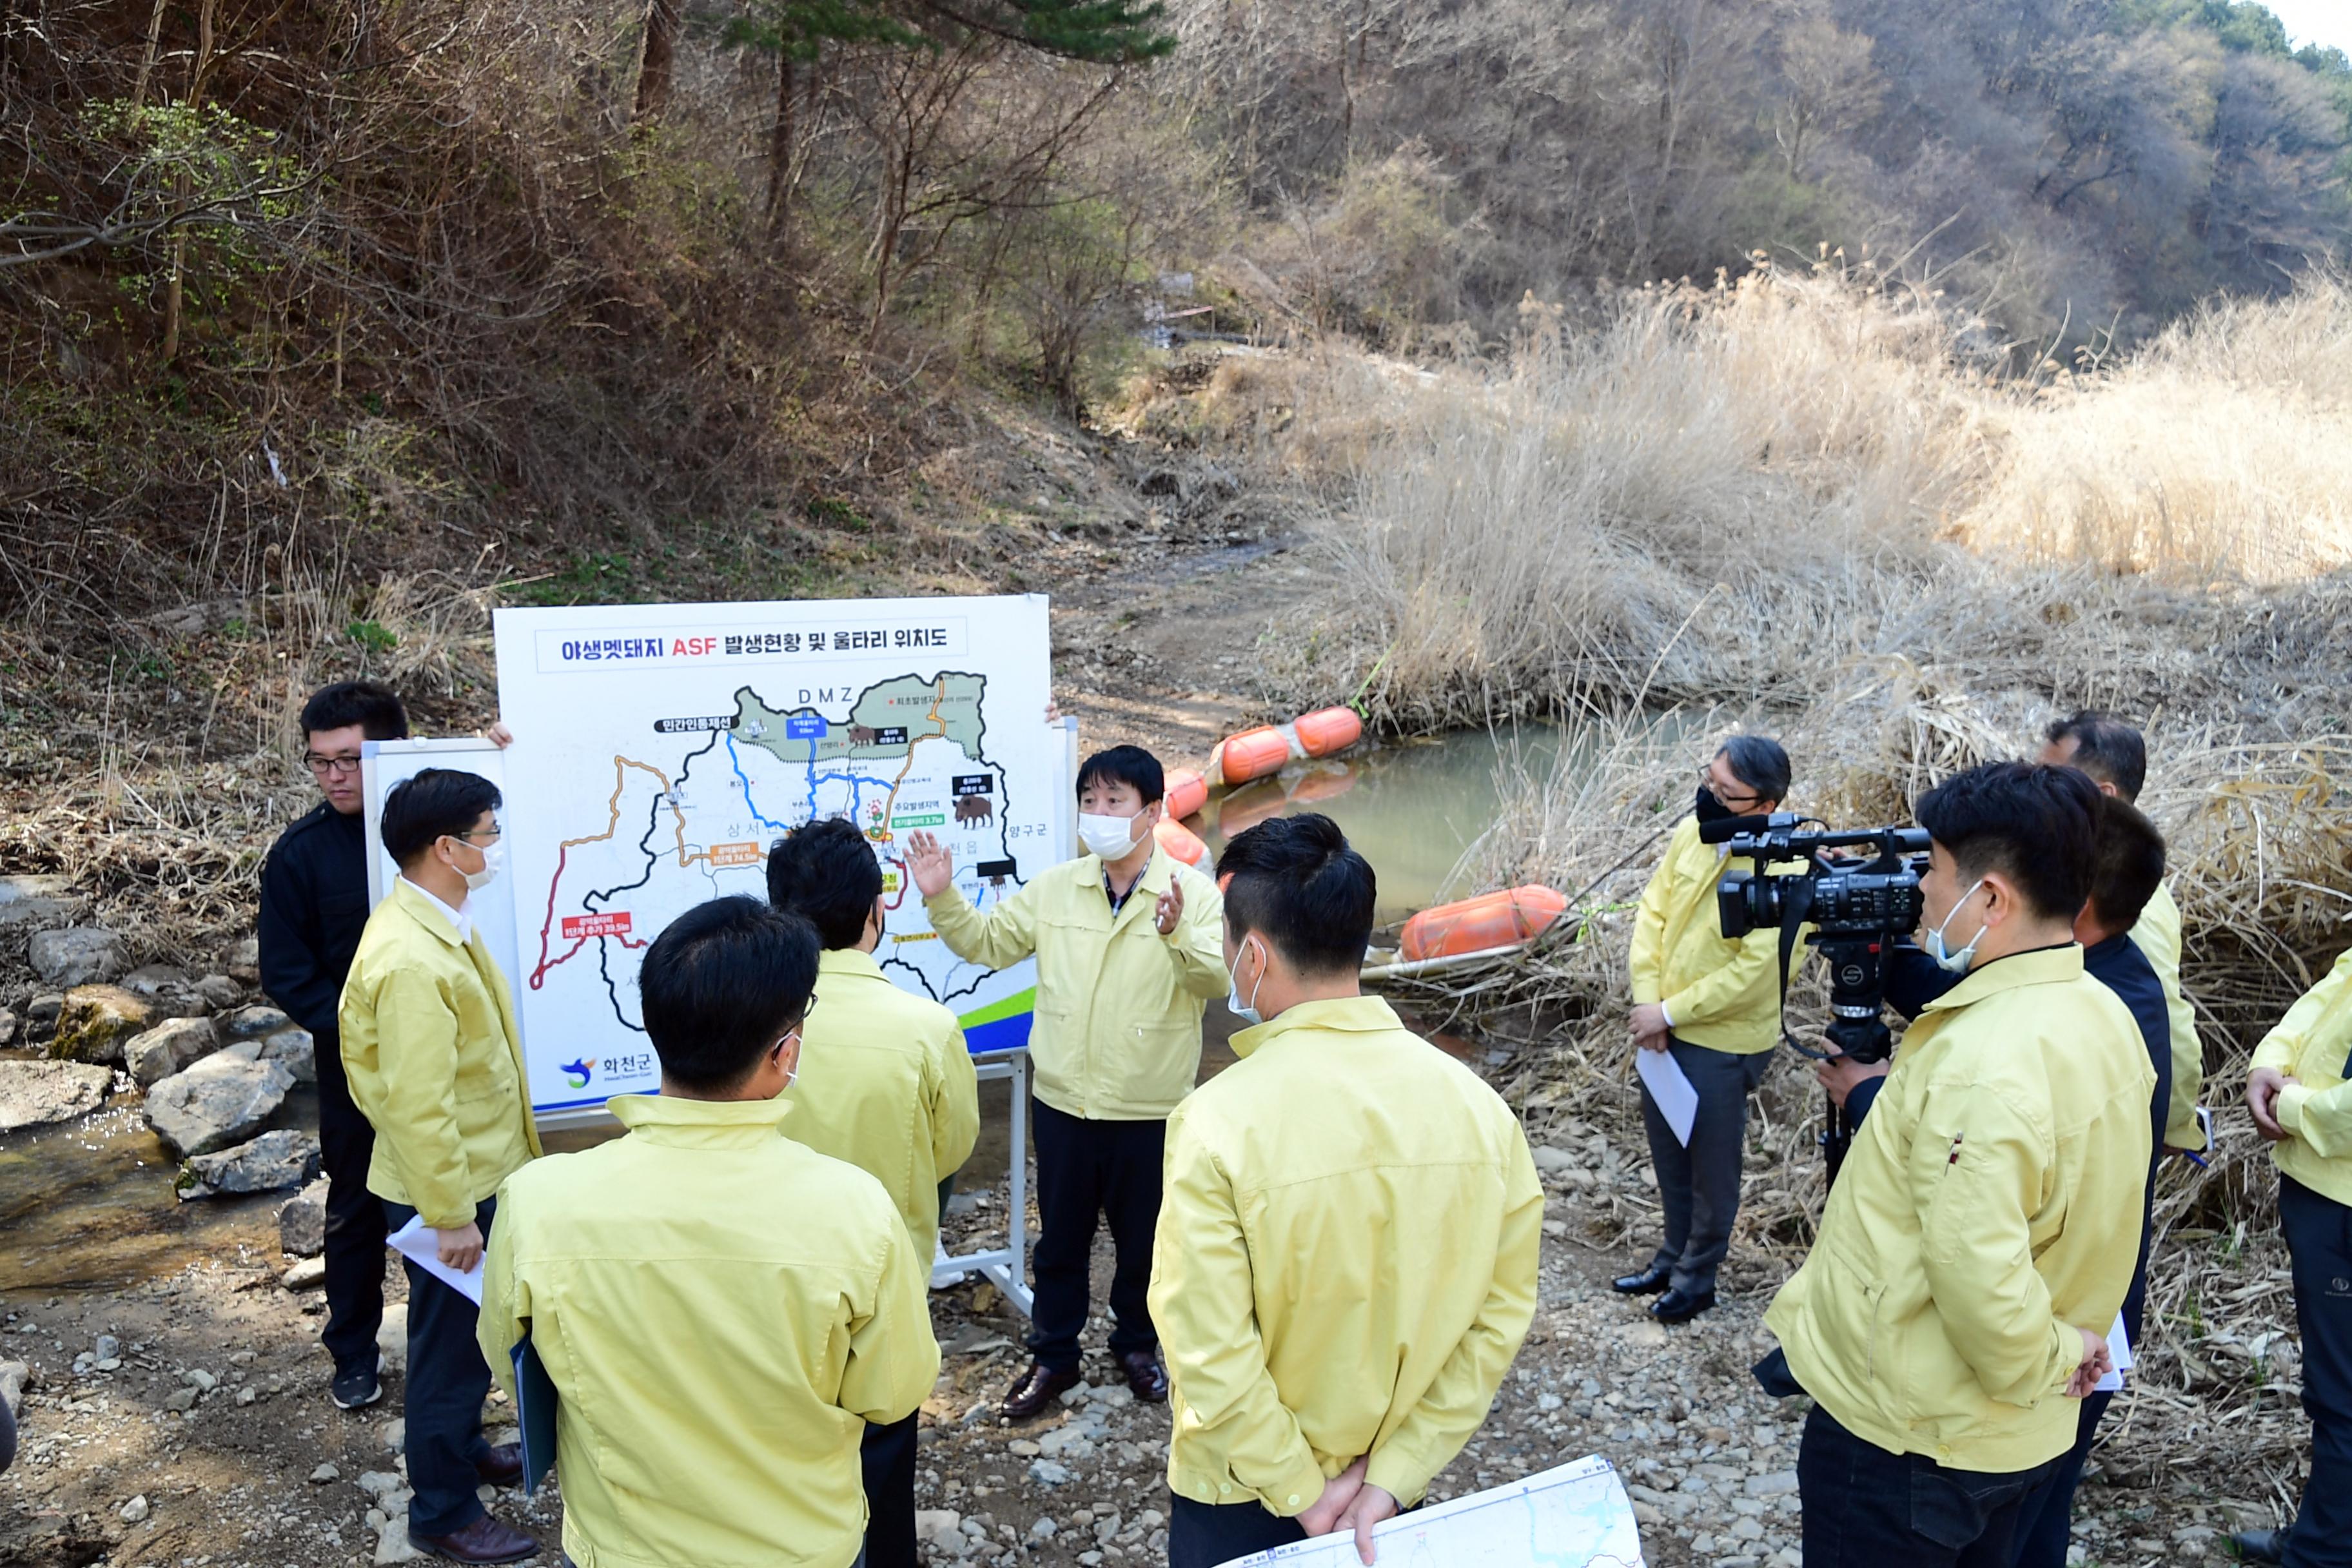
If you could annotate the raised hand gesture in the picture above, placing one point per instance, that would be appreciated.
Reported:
(930, 862)
(1170, 908)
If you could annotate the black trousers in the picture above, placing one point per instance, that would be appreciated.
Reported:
(1866, 1507)
(1698, 1187)
(354, 1256)
(887, 1456)
(2042, 1534)
(1087, 1168)
(448, 1380)
(2319, 1234)
(1203, 1535)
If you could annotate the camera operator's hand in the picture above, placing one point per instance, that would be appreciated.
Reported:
(2097, 1362)
(2262, 1087)
(1838, 1075)
(1650, 1028)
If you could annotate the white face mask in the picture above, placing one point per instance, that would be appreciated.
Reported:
(1957, 962)
(1246, 1011)
(494, 860)
(1109, 837)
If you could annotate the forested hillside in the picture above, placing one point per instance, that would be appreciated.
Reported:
(288, 286)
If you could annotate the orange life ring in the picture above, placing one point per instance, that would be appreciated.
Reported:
(1475, 925)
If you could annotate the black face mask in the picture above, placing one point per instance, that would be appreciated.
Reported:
(1709, 809)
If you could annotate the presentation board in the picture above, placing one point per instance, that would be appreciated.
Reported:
(659, 749)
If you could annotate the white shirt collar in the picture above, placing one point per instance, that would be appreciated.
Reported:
(461, 917)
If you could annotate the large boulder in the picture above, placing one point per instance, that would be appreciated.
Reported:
(223, 1099)
(302, 1221)
(269, 1163)
(253, 1022)
(174, 1046)
(77, 955)
(294, 1050)
(33, 1094)
(95, 1022)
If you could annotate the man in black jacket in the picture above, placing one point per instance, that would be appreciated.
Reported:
(314, 904)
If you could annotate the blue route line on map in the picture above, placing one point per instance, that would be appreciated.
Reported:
(741, 778)
(858, 785)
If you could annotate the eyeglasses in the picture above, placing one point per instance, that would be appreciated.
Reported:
(330, 767)
(492, 834)
(1706, 777)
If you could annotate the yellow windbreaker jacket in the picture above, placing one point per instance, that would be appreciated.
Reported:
(1118, 1032)
(1345, 1259)
(2157, 936)
(721, 1310)
(1721, 993)
(434, 1064)
(885, 1083)
(2310, 1045)
(1991, 1207)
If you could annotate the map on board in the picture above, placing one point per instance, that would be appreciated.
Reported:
(1576, 1516)
(660, 750)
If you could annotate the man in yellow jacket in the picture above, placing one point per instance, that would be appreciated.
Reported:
(434, 1064)
(1983, 1233)
(1713, 1003)
(885, 1083)
(2116, 756)
(2301, 1102)
(1128, 948)
(723, 1311)
(1346, 1263)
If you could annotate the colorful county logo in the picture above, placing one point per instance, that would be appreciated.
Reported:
(577, 1074)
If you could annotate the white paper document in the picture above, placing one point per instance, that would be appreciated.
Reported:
(421, 1245)
(2119, 1347)
(1577, 1516)
(1662, 1076)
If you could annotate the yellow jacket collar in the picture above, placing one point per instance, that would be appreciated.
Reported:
(424, 910)
(2044, 966)
(700, 1123)
(1353, 1015)
(848, 961)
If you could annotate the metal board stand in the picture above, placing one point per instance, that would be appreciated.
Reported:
(1006, 1267)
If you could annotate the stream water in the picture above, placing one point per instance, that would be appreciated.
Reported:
(90, 1205)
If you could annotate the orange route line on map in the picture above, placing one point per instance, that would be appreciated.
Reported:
(890, 801)
(612, 825)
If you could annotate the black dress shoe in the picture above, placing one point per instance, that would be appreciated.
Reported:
(484, 1541)
(1035, 1390)
(357, 1387)
(1145, 1376)
(1648, 1282)
(501, 1466)
(1682, 1305)
(2262, 1545)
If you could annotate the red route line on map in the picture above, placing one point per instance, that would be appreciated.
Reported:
(563, 851)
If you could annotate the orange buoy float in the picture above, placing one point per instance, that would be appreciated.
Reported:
(1179, 841)
(1255, 753)
(1187, 793)
(1476, 925)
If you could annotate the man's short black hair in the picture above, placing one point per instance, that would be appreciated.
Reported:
(2109, 749)
(374, 708)
(1131, 766)
(723, 983)
(431, 805)
(2034, 825)
(1760, 763)
(1295, 881)
(825, 873)
(2129, 867)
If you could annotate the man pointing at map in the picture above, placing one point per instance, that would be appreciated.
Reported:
(1129, 950)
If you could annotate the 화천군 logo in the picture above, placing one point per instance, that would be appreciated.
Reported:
(577, 1074)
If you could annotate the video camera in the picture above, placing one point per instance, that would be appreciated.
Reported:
(1855, 906)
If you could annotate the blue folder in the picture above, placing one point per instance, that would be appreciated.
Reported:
(535, 1414)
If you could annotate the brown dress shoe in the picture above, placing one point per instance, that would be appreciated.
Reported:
(501, 1466)
(484, 1541)
(1036, 1388)
(1145, 1376)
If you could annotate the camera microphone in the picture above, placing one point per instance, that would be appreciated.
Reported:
(1726, 829)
